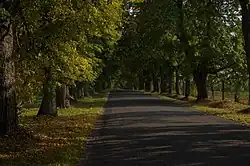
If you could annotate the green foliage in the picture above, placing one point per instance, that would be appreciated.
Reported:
(185, 36)
(70, 38)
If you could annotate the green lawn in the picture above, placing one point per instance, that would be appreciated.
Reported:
(57, 141)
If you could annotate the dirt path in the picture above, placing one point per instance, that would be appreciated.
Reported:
(139, 129)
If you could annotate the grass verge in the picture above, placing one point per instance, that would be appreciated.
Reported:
(57, 141)
(226, 109)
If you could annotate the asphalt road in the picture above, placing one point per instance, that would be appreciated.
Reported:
(142, 130)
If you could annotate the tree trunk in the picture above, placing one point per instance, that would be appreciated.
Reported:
(163, 83)
(177, 81)
(141, 83)
(48, 106)
(246, 33)
(212, 89)
(183, 87)
(86, 89)
(237, 94)
(187, 88)
(159, 85)
(169, 82)
(63, 97)
(8, 105)
(147, 86)
(98, 86)
(200, 78)
(156, 88)
(223, 90)
(152, 86)
(79, 90)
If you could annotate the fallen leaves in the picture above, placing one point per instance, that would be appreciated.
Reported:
(51, 141)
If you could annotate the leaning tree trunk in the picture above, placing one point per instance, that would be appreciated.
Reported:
(200, 78)
(63, 97)
(8, 106)
(48, 106)
(245, 6)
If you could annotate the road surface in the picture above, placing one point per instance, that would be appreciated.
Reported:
(142, 130)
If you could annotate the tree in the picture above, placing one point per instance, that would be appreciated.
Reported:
(245, 13)
(8, 110)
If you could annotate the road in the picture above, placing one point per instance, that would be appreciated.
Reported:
(143, 130)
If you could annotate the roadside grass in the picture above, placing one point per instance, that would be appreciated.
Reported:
(226, 109)
(52, 141)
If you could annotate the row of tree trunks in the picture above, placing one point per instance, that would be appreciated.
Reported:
(164, 84)
(161, 84)
(54, 97)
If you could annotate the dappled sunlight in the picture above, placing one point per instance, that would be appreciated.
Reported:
(165, 133)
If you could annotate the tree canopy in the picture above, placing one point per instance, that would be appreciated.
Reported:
(64, 50)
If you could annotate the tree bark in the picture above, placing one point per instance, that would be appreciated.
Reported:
(163, 83)
(63, 97)
(155, 81)
(187, 88)
(212, 89)
(141, 83)
(152, 86)
(237, 93)
(223, 90)
(183, 87)
(200, 78)
(169, 82)
(8, 105)
(177, 81)
(246, 33)
(159, 85)
(86, 89)
(48, 106)
(79, 90)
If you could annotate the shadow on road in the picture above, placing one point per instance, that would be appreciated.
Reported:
(142, 130)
